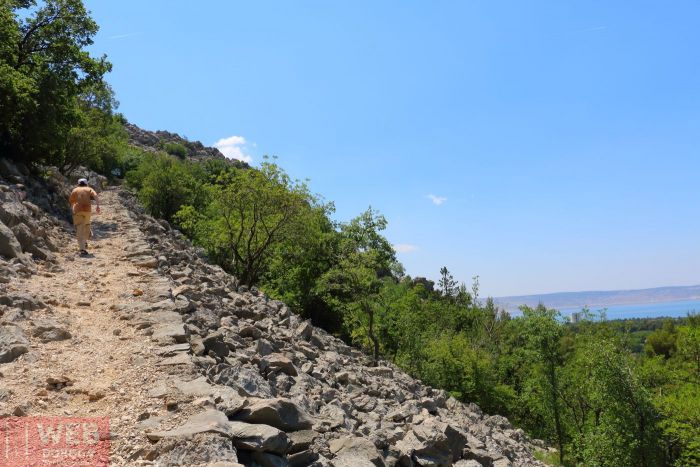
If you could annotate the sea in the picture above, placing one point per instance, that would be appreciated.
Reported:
(678, 309)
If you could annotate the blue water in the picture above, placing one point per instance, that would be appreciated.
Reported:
(650, 310)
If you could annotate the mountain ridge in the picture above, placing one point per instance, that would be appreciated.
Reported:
(602, 298)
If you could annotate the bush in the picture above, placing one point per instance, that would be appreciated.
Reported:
(176, 149)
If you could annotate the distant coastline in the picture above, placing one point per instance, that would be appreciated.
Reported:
(595, 300)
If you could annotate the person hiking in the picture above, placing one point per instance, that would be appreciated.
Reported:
(81, 204)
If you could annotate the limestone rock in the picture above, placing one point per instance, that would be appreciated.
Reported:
(214, 342)
(280, 413)
(13, 343)
(279, 362)
(47, 331)
(352, 450)
(9, 246)
(247, 381)
(210, 421)
(202, 449)
(259, 437)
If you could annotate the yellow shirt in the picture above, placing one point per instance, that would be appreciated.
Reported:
(80, 199)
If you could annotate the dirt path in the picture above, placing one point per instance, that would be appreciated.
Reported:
(110, 362)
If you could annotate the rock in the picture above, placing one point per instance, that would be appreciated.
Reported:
(502, 462)
(9, 246)
(303, 459)
(263, 347)
(12, 214)
(47, 331)
(201, 449)
(13, 343)
(178, 359)
(351, 450)
(279, 362)
(248, 382)
(180, 290)
(304, 331)
(214, 342)
(58, 382)
(432, 442)
(265, 459)
(151, 263)
(279, 413)
(21, 301)
(301, 440)
(209, 421)
(226, 399)
(250, 331)
(259, 437)
(467, 463)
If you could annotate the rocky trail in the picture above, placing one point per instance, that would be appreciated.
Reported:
(193, 369)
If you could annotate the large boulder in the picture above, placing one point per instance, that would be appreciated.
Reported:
(13, 213)
(244, 435)
(278, 363)
(209, 421)
(47, 331)
(246, 381)
(201, 449)
(214, 342)
(355, 451)
(9, 246)
(259, 437)
(13, 343)
(280, 413)
(432, 443)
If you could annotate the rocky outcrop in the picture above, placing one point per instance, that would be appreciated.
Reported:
(293, 379)
(156, 141)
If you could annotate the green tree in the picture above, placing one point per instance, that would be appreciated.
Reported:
(447, 284)
(252, 212)
(363, 263)
(47, 80)
(544, 331)
(662, 341)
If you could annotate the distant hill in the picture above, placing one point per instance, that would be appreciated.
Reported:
(602, 298)
(158, 140)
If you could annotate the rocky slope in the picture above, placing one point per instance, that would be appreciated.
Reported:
(155, 140)
(193, 369)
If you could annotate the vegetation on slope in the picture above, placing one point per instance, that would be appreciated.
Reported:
(604, 393)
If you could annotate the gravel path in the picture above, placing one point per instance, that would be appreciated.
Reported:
(108, 364)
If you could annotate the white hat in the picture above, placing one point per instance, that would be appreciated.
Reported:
(82, 181)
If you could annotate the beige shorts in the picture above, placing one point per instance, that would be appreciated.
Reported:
(81, 218)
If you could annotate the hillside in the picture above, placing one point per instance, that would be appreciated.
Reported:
(157, 141)
(190, 367)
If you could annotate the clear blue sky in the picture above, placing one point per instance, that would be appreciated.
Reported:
(561, 138)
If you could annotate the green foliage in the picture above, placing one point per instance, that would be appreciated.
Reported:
(55, 107)
(579, 386)
(176, 149)
(354, 283)
(662, 341)
(165, 185)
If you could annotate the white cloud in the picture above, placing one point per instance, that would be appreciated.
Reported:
(405, 247)
(234, 147)
(437, 200)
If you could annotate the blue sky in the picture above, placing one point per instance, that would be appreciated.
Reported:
(559, 140)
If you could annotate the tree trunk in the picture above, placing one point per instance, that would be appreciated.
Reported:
(555, 409)
(372, 337)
